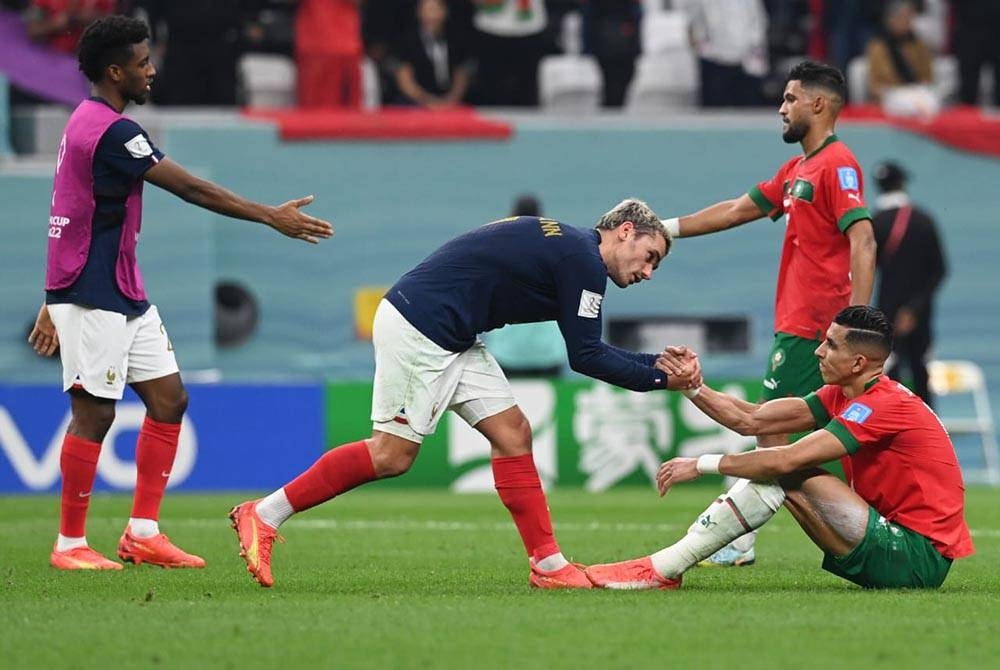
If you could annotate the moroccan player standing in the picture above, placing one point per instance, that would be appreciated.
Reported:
(96, 312)
(828, 257)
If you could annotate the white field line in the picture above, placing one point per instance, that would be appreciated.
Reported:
(440, 525)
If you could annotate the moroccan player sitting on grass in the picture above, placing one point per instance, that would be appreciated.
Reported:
(898, 522)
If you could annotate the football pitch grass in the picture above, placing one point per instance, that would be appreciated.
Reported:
(391, 578)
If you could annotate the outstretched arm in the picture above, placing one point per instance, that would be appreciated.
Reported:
(812, 450)
(287, 219)
(774, 417)
(720, 216)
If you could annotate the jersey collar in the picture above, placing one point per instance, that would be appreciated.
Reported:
(828, 141)
(872, 382)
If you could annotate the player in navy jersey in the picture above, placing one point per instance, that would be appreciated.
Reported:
(96, 311)
(428, 359)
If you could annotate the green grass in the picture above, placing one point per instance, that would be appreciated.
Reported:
(390, 578)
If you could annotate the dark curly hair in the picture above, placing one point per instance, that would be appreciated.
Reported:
(108, 41)
(820, 75)
(867, 327)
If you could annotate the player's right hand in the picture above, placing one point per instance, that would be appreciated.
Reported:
(43, 335)
(289, 219)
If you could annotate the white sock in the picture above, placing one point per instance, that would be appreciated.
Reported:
(275, 509)
(552, 562)
(64, 543)
(746, 542)
(144, 527)
(747, 506)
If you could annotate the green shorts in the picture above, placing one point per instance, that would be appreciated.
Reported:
(792, 368)
(890, 557)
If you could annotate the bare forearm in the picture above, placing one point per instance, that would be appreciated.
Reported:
(222, 201)
(760, 464)
(720, 216)
(729, 411)
(862, 273)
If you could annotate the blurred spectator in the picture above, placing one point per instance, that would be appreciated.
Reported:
(199, 43)
(528, 349)
(730, 38)
(510, 39)
(59, 23)
(896, 56)
(612, 33)
(384, 23)
(328, 53)
(849, 26)
(977, 24)
(911, 266)
(434, 65)
(270, 26)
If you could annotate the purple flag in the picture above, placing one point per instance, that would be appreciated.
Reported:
(37, 69)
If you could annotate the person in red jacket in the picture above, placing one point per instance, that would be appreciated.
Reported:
(328, 53)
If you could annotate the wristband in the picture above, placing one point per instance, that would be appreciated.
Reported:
(708, 464)
(691, 393)
(673, 226)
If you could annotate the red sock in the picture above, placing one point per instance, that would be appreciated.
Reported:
(154, 456)
(336, 471)
(521, 492)
(78, 464)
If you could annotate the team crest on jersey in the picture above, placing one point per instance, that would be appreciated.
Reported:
(139, 147)
(590, 304)
(802, 189)
(777, 358)
(848, 177)
(858, 412)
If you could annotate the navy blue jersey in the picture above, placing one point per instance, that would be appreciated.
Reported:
(119, 161)
(521, 270)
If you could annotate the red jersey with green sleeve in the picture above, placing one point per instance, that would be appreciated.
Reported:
(822, 196)
(899, 459)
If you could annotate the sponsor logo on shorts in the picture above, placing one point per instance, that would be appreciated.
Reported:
(590, 304)
(858, 412)
(771, 383)
(401, 417)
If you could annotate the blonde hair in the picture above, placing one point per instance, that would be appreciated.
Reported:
(636, 211)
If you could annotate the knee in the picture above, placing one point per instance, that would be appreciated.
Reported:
(516, 441)
(169, 408)
(391, 458)
(93, 422)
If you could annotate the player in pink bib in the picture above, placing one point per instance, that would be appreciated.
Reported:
(96, 312)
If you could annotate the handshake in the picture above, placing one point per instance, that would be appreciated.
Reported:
(682, 367)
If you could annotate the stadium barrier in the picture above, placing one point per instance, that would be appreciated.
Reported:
(586, 434)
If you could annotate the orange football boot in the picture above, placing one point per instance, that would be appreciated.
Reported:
(569, 576)
(256, 539)
(81, 558)
(156, 550)
(635, 575)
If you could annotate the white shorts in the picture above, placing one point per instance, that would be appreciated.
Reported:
(416, 380)
(102, 351)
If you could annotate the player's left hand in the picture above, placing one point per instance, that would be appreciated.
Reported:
(289, 219)
(44, 337)
(676, 471)
(682, 367)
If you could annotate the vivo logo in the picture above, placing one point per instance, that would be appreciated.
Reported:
(42, 473)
